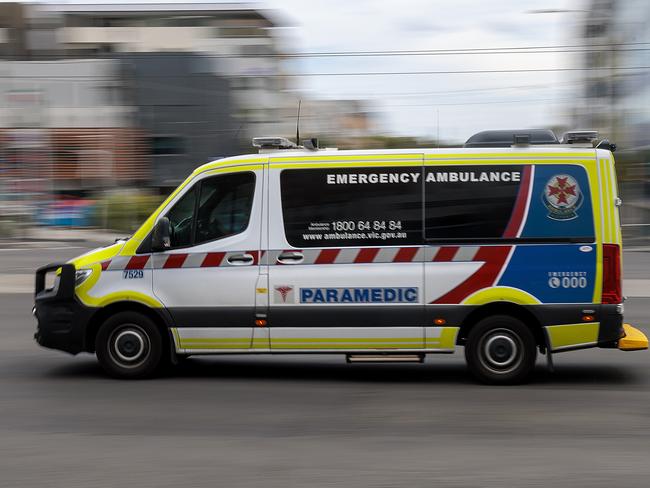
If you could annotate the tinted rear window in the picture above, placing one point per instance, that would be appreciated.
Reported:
(526, 202)
(470, 201)
(352, 207)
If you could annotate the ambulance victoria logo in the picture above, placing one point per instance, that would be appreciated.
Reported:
(562, 197)
(284, 294)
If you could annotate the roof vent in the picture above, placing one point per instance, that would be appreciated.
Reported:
(507, 138)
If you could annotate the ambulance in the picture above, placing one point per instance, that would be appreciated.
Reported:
(507, 246)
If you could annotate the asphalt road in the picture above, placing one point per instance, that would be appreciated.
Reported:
(314, 421)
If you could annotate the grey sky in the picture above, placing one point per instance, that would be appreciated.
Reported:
(466, 102)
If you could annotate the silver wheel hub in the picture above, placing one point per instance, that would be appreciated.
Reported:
(129, 346)
(501, 351)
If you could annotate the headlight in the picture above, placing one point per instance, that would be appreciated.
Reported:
(81, 275)
(55, 283)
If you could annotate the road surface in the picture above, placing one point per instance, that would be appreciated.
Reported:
(315, 421)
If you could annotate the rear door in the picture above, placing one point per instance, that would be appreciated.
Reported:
(508, 231)
(345, 260)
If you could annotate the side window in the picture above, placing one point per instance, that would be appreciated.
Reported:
(352, 206)
(224, 207)
(491, 202)
(181, 218)
(470, 202)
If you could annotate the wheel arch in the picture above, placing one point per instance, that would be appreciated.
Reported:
(159, 317)
(502, 308)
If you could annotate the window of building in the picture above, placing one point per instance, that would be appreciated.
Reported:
(161, 145)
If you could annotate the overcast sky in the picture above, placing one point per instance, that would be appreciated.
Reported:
(463, 103)
(466, 103)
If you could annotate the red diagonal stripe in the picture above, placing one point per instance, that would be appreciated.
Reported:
(212, 259)
(256, 256)
(405, 255)
(137, 262)
(175, 261)
(520, 205)
(446, 253)
(105, 265)
(327, 256)
(494, 258)
(366, 255)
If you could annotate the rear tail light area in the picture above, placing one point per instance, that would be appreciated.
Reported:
(612, 289)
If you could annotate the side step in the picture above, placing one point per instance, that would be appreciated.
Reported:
(385, 358)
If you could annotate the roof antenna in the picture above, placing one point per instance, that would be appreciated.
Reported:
(298, 125)
(238, 131)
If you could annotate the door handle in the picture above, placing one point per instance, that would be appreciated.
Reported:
(291, 257)
(240, 259)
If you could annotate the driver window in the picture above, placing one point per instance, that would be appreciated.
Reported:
(224, 206)
(180, 218)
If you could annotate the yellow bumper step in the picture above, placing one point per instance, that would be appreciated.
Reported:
(634, 339)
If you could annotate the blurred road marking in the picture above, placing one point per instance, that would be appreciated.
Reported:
(636, 288)
(16, 283)
(39, 248)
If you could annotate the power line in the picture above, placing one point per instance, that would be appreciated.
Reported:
(609, 69)
(460, 72)
(470, 90)
(531, 101)
(345, 54)
(553, 49)
(487, 102)
(500, 50)
(436, 53)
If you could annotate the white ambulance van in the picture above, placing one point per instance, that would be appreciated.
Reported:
(507, 246)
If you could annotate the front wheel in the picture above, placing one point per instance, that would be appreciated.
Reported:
(129, 345)
(501, 350)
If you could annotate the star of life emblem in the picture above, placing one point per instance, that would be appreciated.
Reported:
(562, 197)
(283, 294)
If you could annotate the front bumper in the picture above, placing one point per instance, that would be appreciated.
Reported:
(633, 340)
(62, 320)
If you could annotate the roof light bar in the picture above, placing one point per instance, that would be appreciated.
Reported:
(273, 143)
(580, 137)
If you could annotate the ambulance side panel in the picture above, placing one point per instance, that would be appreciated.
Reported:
(209, 286)
(531, 228)
(346, 255)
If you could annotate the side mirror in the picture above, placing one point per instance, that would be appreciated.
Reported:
(160, 239)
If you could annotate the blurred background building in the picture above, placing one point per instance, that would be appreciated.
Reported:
(616, 96)
(112, 105)
(99, 99)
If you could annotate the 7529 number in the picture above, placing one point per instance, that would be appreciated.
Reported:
(131, 274)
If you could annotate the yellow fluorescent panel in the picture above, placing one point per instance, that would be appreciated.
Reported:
(573, 334)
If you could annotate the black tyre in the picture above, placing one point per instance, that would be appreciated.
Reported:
(129, 345)
(501, 350)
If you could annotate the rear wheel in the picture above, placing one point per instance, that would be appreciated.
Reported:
(501, 350)
(129, 345)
